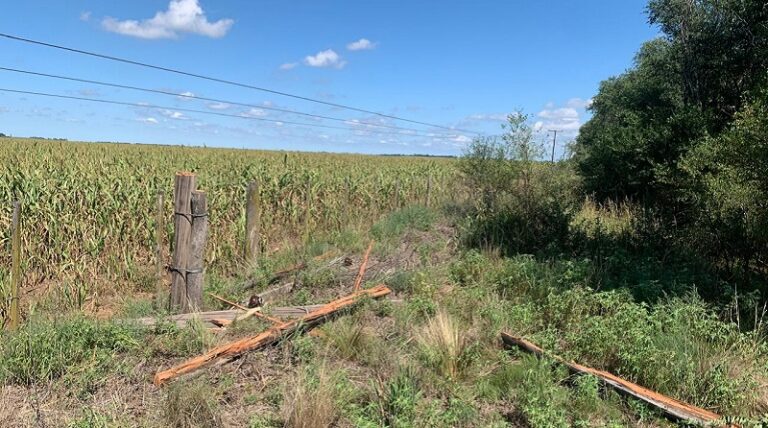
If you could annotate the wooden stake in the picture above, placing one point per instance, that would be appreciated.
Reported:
(363, 266)
(669, 406)
(252, 223)
(199, 235)
(182, 204)
(230, 351)
(308, 213)
(16, 265)
(159, 233)
(396, 195)
(429, 189)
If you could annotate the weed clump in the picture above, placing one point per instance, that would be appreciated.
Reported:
(42, 351)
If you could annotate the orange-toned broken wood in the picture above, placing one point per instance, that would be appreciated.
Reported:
(273, 335)
(669, 406)
(255, 312)
(363, 265)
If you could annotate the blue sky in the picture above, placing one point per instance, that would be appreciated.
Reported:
(462, 64)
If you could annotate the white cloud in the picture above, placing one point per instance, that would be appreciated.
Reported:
(579, 103)
(186, 95)
(559, 113)
(218, 106)
(289, 66)
(151, 120)
(182, 16)
(85, 16)
(492, 117)
(326, 58)
(254, 112)
(566, 119)
(461, 139)
(177, 115)
(361, 45)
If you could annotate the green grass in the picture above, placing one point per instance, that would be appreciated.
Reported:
(43, 351)
(432, 359)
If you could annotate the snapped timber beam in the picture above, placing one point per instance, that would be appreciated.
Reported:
(271, 336)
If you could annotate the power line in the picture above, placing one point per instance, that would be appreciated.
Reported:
(225, 81)
(195, 97)
(188, 110)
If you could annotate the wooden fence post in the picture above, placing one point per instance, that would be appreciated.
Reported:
(182, 204)
(252, 222)
(159, 232)
(16, 265)
(199, 235)
(308, 214)
(396, 195)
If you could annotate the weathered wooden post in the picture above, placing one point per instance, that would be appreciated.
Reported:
(252, 222)
(347, 202)
(396, 195)
(16, 265)
(159, 232)
(308, 213)
(196, 269)
(182, 204)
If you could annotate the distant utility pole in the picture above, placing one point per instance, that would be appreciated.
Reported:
(554, 143)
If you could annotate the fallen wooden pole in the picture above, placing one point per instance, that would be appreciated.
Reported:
(229, 316)
(669, 406)
(273, 335)
(363, 266)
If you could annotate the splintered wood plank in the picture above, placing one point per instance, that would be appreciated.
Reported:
(271, 336)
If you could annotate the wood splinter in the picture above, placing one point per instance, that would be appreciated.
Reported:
(271, 336)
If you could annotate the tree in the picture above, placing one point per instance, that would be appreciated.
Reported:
(684, 86)
(523, 203)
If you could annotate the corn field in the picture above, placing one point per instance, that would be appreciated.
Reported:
(88, 209)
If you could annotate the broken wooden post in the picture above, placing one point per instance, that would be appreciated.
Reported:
(252, 223)
(198, 237)
(182, 225)
(15, 265)
(159, 232)
(230, 351)
(363, 266)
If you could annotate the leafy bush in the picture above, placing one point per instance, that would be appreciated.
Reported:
(679, 347)
(523, 205)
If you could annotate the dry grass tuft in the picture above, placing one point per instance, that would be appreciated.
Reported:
(309, 401)
(444, 345)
